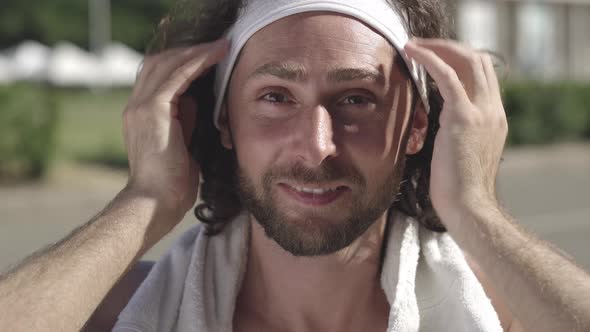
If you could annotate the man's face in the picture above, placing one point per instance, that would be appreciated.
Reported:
(315, 112)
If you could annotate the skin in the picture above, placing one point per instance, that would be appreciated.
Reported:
(80, 270)
(542, 289)
(277, 119)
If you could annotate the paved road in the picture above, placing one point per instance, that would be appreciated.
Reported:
(547, 189)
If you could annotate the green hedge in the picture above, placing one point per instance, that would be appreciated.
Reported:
(547, 113)
(90, 130)
(28, 122)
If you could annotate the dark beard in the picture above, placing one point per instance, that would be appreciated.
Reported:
(313, 236)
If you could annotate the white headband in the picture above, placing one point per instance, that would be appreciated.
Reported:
(259, 13)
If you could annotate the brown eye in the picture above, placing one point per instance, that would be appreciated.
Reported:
(275, 98)
(355, 100)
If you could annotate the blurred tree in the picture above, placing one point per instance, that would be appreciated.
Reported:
(133, 21)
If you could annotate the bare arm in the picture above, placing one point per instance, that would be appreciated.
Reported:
(58, 289)
(543, 290)
(508, 287)
(504, 313)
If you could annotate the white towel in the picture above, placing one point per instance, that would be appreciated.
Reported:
(194, 287)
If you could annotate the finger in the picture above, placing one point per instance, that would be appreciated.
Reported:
(491, 77)
(445, 77)
(139, 84)
(179, 81)
(168, 60)
(495, 95)
(466, 62)
(157, 68)
(147, 80)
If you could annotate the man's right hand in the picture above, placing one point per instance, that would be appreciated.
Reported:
(78, 271)
(158, 124)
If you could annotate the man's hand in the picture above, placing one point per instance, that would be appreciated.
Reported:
(473, 128)
(58, 288)
(543, 290)
(158, 125)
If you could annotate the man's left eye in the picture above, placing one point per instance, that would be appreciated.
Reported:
(355, 100)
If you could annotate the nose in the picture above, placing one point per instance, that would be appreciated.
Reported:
(316, 137)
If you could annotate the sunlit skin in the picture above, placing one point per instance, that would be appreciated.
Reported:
(311, 89)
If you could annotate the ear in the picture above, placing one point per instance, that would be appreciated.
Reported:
(418, 129)
(224, 131)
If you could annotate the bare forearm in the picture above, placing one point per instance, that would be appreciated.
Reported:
(544, 290)
(57, 289)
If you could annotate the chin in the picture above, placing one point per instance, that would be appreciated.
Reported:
(313, 236)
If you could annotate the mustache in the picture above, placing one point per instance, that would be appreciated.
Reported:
(328, 171)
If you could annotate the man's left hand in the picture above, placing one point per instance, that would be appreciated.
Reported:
(473, 127)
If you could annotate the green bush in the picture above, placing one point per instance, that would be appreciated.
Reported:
(547, 113)
(28, 120)
(90, 130)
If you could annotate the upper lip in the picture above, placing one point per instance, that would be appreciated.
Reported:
(315, 186)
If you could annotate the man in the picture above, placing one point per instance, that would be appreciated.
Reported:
(320, 110)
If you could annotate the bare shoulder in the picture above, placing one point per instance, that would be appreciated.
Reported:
(507, 319)
(106, 314)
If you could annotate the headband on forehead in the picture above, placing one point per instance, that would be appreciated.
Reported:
(259, 13)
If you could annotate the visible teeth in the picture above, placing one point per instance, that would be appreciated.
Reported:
(314, 191)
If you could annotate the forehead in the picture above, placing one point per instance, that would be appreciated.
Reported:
(323, 38)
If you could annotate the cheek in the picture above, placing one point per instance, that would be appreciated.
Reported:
(372, 140)
(257, 146)
(375, 148)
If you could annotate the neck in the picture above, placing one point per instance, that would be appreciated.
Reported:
(336, 292)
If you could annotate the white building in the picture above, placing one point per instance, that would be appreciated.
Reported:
(68, 65)
(545, 40)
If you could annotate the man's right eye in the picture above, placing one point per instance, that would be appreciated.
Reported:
(275, 98)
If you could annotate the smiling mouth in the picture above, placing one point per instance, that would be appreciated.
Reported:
(318, 191)
(315, 195)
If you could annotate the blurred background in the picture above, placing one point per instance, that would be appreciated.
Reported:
(67, 68)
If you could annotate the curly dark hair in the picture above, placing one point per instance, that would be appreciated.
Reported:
(192, 22)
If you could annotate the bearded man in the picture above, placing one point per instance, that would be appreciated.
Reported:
(338, 183)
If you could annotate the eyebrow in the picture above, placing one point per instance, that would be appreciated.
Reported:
(355, 74)
(283, 70)
(297, 73)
